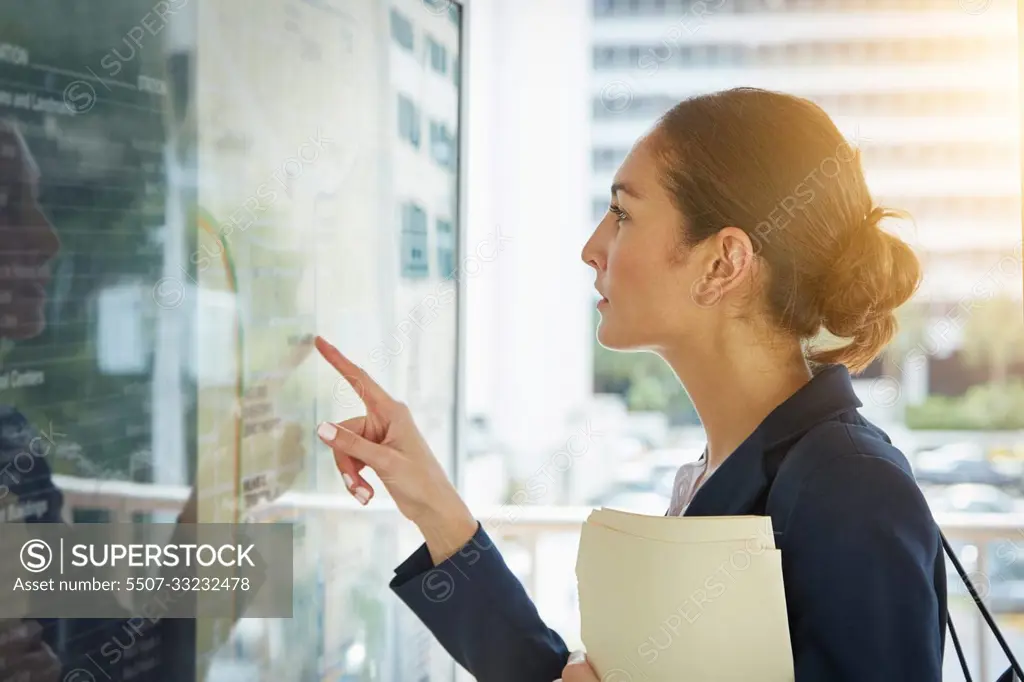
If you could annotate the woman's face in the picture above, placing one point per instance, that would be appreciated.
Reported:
(645, 278)
(27, 242)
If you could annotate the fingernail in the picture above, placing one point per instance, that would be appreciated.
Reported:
(327, 431)
(347, 479)
(362, 494)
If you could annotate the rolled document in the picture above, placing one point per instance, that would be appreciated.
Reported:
(682, 599)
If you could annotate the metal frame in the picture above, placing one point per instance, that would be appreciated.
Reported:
(462, 238)
(459, 438)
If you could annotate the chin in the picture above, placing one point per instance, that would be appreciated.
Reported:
(612, 339)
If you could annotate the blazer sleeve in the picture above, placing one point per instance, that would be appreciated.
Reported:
(859, 557)
(480, 613)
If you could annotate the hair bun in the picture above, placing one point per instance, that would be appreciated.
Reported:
(873, 274)
(874, 217)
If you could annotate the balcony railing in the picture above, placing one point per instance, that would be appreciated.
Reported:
(523, 527)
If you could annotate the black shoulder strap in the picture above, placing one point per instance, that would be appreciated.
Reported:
(809, 453)
(1015, 668)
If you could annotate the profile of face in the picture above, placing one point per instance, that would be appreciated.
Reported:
(743, 218)
(649, 280)
(28, 241)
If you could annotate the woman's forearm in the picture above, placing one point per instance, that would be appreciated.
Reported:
(480, 612)
(447, 530)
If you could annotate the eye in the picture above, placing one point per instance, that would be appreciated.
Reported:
(618, 212)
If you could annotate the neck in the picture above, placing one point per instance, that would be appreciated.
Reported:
(734, 386)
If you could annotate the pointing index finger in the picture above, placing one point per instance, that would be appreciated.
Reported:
(366, 388)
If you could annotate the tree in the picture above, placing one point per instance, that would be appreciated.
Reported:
(644, 380)
(912, 324)
(647, 393)
(994, 336)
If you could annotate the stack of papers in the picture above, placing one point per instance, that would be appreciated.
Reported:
(683, 599)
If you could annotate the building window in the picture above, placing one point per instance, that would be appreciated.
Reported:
(408, 121)
(442, 145)
(401, 29)
(445, 249)
(438, 56)
(414, 241)
(610, 8)
(454, 14)
(646, 107)
(680, 54)
(607, 158)
(604, 57)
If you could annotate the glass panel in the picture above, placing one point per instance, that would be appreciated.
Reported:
(188, 192)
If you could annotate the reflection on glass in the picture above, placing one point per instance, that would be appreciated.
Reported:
(188, 192)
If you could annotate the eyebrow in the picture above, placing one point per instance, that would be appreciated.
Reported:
(616, 186)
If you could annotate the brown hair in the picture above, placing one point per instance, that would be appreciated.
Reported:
(776, 166)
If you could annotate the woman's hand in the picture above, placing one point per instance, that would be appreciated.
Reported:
(578, 670)
(388, 441)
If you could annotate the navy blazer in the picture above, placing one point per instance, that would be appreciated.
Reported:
(862, 561)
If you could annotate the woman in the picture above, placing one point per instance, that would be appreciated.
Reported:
(739, 228)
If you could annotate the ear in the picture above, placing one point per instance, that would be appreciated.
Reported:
(732, 257)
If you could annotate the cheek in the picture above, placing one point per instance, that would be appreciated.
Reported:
(638, 274)
(628, 267)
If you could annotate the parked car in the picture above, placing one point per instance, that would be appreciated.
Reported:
(635, 496)
(973, 498)
(963, 463)
(665, 462)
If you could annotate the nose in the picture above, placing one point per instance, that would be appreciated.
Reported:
(27, 235)
(40, 240)
(28, 239)
(593, 252)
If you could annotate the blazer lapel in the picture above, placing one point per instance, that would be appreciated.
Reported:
(737, 484)
(743, 477)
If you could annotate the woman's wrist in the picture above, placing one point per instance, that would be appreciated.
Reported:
(447, 530)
